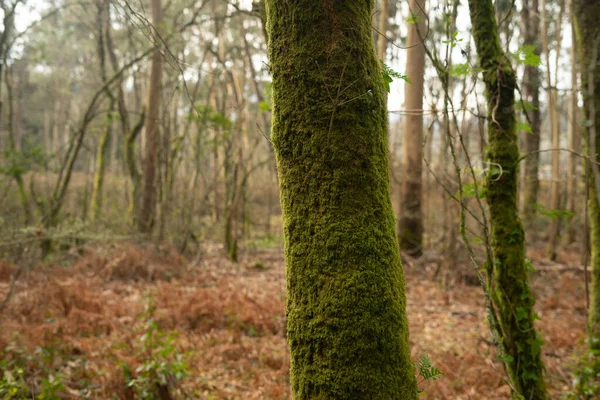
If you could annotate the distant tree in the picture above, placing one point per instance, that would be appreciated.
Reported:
(574, 135)
(102, 24)
(531, 93)
(554, 119)
(13, 151)
(346, 326)
(383, 26)
(147, 210)
(508, 274)
(410, 223)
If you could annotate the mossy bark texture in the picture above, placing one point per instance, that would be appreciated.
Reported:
(587, 29)
(98, 185)
(508, 275)
(347, 327)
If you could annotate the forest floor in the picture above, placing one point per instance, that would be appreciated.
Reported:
(79, 325)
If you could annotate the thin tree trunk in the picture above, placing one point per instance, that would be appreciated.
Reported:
(531, 89)
(554, 230)
(104, 142)
(410, 223)
(383, 24)
(151, 130)
(574, 140)
(508, 276)
(16, 171)
(346, 318)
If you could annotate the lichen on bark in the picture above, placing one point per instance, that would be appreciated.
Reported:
(508, 275)
(347, 326)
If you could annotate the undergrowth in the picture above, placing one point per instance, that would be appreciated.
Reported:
(162, 367)
(586, 377)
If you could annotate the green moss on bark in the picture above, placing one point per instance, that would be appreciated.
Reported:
(98, 185)
(587, 13)
(508, 275)
(347, 326)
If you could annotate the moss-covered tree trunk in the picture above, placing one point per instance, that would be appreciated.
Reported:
(347, 326)
(100, 170)
(509, 278)
(587, 15)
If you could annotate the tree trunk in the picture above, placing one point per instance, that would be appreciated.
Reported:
(531, 91)
(410, 223)
(99, 171)
(554, 126)
(383, 24)
(587, 14)
(574, 141)
(508, 275)
(16, 170)
(346, 318)
(149, 190)
(104, 142)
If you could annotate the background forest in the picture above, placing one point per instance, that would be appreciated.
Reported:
(141, 227)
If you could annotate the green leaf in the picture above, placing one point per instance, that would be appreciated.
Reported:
(413, 19)
(522, 126)
(526, 55)
(264, 106)
(525, 105)
(389, 75)
(551, 213)
(521, 313)
(463, 69)
(471, 190)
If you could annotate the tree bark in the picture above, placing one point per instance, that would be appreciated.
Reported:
(151, 130)
(531, 90)
(587, 15)
(574, 140)
(347, 325)
(554, 230)
(410, 223)
(104, 142)
(383, 24)
(507, 274)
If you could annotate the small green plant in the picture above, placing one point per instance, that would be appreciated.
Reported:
(389, 75)
(586, 377)
(12, 385)
(552, 213)
(51, 387)
(527, 55)
(427, 372)
(20, 368)
(454, 40)
(162, 367)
